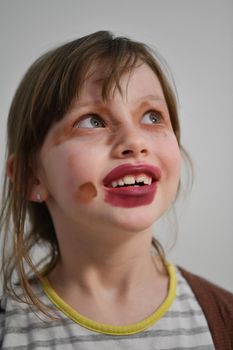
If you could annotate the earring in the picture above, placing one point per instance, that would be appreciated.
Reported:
(38, 197)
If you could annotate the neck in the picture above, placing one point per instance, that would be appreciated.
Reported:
(92, 264)
(111, 281)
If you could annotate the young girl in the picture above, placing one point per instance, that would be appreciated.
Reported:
(93, 161)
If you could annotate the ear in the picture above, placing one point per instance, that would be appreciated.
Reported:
(10, 167)
(37, 191)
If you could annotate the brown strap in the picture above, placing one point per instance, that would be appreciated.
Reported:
(217, 305)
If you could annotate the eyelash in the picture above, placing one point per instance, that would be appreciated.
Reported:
(91, 115)
(101, 120)
(155, 114)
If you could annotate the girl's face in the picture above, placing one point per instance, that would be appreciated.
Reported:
(113, 164)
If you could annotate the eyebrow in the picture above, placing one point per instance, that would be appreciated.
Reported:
(142, 99)
(152, 98)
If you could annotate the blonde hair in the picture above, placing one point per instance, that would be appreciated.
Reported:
(42, 98)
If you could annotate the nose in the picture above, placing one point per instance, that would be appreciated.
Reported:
(130, 143)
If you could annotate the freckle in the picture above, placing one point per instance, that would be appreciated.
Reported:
(86, 192)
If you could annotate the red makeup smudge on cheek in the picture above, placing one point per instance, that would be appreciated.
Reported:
(86, 192)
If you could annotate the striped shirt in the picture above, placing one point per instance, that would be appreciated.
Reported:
(178, 324)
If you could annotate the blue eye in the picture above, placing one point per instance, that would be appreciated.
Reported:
(151, 117)
(89, 122)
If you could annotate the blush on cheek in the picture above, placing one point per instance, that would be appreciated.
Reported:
(86, 192)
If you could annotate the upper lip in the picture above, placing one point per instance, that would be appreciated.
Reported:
(132, 169)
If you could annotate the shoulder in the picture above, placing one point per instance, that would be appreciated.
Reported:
(21, 325)
(15, 311)
(217, 305)
(203, 288)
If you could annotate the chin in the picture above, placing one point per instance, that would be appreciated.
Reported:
(137, 219)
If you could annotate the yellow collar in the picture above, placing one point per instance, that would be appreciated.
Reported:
(108, 328)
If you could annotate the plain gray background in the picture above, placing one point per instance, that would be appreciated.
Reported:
(196, 39)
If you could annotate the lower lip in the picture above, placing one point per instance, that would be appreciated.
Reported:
(130, 197)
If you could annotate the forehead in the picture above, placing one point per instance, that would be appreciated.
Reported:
(140, 81)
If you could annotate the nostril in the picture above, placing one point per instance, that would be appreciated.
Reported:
(127, 151)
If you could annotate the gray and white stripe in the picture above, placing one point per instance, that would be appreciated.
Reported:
(182, 327)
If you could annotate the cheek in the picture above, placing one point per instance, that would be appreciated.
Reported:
(60, 171)
(81, 173)
(169, 154)
(76, 169)
(86, 192)
(81, 165)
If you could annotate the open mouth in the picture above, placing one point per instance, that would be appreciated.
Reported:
(131, 185)
(130, 175)
(132, 180)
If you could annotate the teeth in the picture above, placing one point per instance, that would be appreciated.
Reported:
(143, 178)
(120, 182)
(132, 180)
(129, 180)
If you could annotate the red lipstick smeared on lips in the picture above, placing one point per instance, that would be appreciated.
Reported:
(131, 185)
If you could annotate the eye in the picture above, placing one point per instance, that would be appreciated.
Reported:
(90, 121)
(151, 117)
